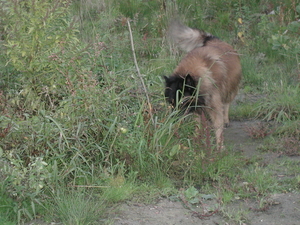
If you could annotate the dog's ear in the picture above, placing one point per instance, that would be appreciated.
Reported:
(189, 81)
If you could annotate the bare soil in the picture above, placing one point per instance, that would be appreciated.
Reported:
(282, 209)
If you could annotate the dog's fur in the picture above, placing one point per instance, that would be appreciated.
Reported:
(206, 78)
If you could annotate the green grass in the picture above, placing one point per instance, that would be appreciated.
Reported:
(281, 106)
(7, 209)
(75, 207)
(73, 115)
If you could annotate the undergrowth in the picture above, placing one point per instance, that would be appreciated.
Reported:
(76, 128)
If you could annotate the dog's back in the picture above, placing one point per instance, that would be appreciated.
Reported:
(217, 65)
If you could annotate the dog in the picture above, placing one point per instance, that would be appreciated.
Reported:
(206, 79)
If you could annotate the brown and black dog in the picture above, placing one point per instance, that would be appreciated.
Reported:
(207, 78)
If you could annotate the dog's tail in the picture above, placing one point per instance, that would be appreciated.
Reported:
(187, 38)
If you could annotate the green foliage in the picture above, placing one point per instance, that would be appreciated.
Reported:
(282, 106)
(23, 185)
(76, 208)
(41, 43)
(73, 114)
(290, 128)
(7, 212)
(35, 31)
(191, 195)
(119, 190)
(258, 179)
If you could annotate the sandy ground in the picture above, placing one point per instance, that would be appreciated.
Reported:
(285, 211)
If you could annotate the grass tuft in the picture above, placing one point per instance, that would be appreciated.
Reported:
(76, 207)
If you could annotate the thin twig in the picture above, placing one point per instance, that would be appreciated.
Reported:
(139, 73)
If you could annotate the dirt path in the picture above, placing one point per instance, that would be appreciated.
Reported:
(284, 209)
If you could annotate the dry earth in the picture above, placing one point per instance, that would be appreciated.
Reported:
(284, 209)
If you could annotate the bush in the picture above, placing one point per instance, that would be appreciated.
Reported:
(42, 45)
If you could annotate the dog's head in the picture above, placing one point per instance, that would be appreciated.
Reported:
(181, 92)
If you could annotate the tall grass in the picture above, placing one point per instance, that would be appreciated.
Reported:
(74, 115)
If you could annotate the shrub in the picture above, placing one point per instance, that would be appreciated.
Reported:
(41, 44)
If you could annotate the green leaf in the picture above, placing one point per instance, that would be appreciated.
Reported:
(208, 197)
(298, 8)
(174, 150)
(294, 26)
(30, 30)
(191, 193)
(194, 200)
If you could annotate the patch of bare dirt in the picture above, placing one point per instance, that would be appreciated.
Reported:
(280, 208)
(164, 212)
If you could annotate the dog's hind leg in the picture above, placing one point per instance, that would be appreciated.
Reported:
(218, 124)
(216, 114)
(226, 114)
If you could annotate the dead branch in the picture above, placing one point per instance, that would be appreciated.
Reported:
(139, 73)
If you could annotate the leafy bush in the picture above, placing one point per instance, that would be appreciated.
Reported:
(42, 44)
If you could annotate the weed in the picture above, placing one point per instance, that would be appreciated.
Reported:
(76, 207)
(236, 216)
(291, 128)
(259, 180)
(193, 200)
(280, 107)
(8, 206)
(287, 145)
(264, 204)
(291, 146)
(259, 130)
